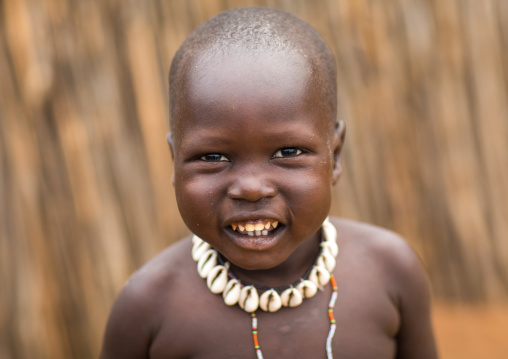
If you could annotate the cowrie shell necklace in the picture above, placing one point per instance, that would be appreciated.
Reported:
(220, 280)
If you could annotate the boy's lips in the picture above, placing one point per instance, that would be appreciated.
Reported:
(249, 235)
(256, 227)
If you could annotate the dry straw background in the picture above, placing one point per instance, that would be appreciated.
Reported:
(85, 173)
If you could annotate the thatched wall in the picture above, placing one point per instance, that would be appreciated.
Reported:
(85, 190)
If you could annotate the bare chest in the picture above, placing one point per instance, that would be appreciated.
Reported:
(365, 328)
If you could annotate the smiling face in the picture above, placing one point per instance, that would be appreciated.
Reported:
(254, 156)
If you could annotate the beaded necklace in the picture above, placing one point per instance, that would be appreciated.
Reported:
(220, 279)
(331, 333)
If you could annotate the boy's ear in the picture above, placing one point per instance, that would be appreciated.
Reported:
(169, 138)
(338, 141)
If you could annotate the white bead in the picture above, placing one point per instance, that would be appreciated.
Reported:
(326, 260)
(291, 297)
(217, 279)
(249, 299)
(307, 288)
(319, 276)
(207, 261)
(231, 293)
(270, 301)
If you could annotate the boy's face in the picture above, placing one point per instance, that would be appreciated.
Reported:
(252, 146)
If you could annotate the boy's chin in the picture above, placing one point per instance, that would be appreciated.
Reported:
(257, 264)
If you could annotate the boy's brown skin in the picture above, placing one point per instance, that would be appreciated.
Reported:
(236, 116)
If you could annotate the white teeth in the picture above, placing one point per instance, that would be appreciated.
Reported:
(256, 229)
(257, 233)
(259, 226)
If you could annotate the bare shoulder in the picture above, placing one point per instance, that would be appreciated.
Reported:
(385, 250)
(145, 298)
(370, 237)
(391, 265)
(159, 274)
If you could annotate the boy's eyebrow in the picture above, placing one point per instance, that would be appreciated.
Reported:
(207, 138)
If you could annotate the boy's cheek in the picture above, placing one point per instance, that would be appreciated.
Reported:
(309, 191)
(196, 203)
(196, 190)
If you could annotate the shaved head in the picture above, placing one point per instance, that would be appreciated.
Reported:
(250, 32)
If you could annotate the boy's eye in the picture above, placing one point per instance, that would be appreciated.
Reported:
(287, 152)
(213, 157)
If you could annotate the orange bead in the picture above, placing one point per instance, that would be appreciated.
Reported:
(256, 344)
(334, 284)
(330, 315)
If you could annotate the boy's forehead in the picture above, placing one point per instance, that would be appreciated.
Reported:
(283, 76)
(252, 83)
(226, 52)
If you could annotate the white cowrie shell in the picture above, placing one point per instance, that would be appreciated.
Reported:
(198, 249)
(270, 301)
(330, 231)
(291, 297)
(326, 260)
(207, 261)
(196, 241)
(319, 276)
(307, 288)
(331, 246)
(217, 279)
(249, 299)
(231, 293)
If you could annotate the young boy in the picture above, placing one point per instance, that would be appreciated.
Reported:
(256, 149)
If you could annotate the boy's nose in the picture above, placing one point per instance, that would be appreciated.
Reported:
(251, 188)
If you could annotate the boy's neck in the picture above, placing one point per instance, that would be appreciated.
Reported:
(287, 272)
